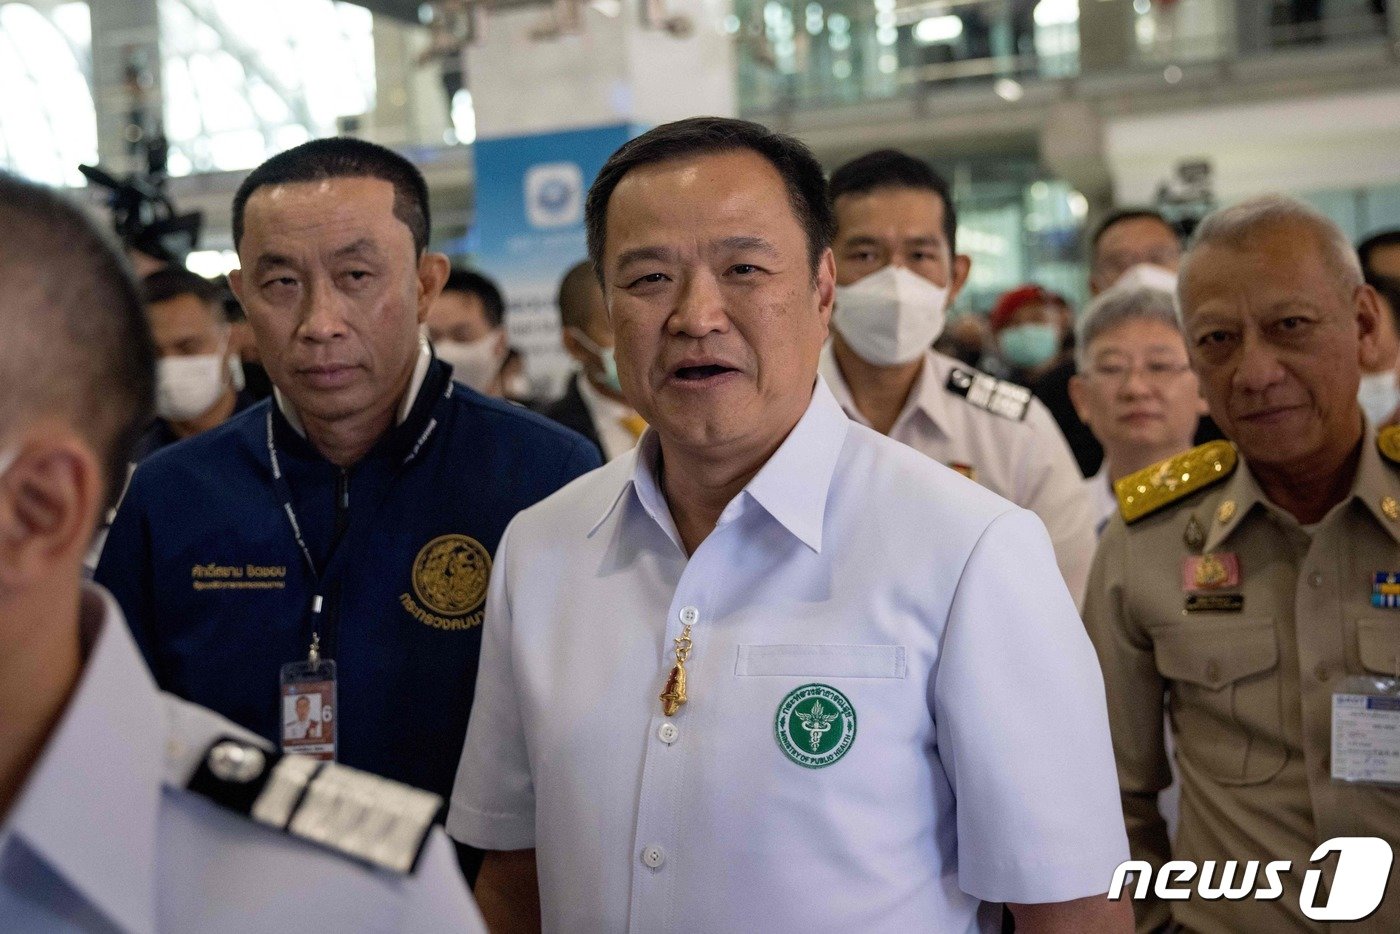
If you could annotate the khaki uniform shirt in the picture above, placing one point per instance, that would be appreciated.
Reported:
(1248, 690)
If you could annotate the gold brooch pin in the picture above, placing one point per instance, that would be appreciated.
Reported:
(1390, 507)
(1225, 512)
(674, 695)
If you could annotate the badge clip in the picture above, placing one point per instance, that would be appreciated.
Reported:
(308, 701)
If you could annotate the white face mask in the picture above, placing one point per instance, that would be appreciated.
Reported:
(1379, 395)
(890, 317)
(187, 387)
(475, 363)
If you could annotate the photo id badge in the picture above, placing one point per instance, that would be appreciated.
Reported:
(1366, 731)
(308, 708)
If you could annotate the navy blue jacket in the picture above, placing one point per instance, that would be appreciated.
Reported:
(203, 561)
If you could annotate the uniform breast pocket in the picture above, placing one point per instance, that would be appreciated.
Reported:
(822, 661)
(1226, 699)
(1378, 645)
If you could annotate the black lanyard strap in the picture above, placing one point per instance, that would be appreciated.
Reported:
(284, 492)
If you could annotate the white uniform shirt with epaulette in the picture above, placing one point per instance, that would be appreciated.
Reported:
(893, 713)
(105, 836)
(998, 434)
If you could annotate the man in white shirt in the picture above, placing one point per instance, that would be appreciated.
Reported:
(897, 272)
(123, 809)
(773, 671)
(593, 404)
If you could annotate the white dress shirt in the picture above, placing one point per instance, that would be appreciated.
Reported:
(104, 836)
(1025, 460)
(980, 768)
(608, 416)
(1100, 491)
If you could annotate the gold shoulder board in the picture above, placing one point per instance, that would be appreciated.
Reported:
(1143, 493)
(1388, 440)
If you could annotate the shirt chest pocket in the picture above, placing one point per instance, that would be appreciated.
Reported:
(1378, 645)
(821, 661)
(1225, 698)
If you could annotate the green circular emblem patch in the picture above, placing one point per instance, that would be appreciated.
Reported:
(816, 725)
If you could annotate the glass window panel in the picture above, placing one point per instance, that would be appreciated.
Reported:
(47, 122)
(266, 74)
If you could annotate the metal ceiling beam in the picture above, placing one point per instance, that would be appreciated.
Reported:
(406, 10)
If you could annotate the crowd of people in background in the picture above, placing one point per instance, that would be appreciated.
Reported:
(340, 499)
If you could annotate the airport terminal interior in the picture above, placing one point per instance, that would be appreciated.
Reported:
(448, 483)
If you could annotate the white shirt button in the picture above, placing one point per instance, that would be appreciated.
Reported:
(667, 733)
(689, 615)
(654, 857)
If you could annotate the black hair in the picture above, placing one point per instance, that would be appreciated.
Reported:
(890, 168)
(344, 157)
(574, 292)
(1387, 286)
(174, 281)
(493, 304)
(1371, 244)
(1129, 214)
(792, 160)
(76, 338)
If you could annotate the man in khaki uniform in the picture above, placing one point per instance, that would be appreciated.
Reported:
(1235, 585)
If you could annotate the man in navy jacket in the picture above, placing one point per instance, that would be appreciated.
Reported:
(360, 507)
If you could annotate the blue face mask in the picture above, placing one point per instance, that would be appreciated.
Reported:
(607, 360)
(1029, 345)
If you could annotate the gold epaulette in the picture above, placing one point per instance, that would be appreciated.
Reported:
(1388, 440)
(1143, 493)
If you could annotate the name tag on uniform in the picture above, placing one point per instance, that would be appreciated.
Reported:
(1366, 731)
(308, 702)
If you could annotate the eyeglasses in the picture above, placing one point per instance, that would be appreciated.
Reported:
(1156, 372)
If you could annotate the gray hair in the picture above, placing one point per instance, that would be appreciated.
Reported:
(1236, 224)
(1118, 306)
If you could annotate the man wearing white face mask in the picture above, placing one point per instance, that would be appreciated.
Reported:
(194, 383)
(593, 405)
(467, 327)
(1379, 392)
(897, 271)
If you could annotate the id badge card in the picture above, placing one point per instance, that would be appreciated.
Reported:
(308, 705)
(1366, 731)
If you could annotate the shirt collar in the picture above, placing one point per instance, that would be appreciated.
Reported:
(415, 385)
(1375, 482)
(791, 487)
(926, 396)
(90, 809)
(602, 408)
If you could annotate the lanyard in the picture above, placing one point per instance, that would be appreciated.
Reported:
(284, 494)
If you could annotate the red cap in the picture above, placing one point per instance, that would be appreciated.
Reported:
(1013, 301)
